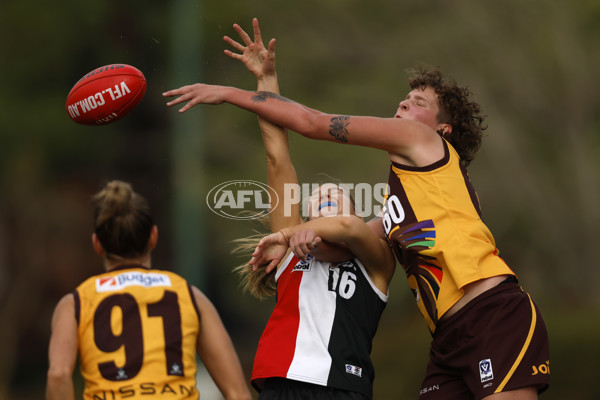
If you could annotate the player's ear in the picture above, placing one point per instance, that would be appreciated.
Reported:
(153, 238)
(445, 130)
(97, 246)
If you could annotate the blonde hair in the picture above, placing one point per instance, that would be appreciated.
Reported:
(258, 283)
(122, 220)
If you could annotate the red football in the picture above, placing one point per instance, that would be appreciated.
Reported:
(106, 94)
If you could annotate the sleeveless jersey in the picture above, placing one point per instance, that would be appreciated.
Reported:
(137, 330)
(322, 327)
(432, 220)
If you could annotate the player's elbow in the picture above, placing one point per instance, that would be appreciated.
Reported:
(59, 375)
(351, 226)
(308, 125)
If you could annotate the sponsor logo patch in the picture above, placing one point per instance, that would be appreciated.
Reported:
(354, 370)
(485, 370)
(303, 265)
(126, 279)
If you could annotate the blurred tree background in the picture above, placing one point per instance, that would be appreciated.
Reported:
(530, 64)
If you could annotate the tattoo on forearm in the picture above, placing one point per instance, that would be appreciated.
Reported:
(337, 128)
(262, 96)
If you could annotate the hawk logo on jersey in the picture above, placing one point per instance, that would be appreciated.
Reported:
(126, 279)
(412, 242)
(303, 265)
(417, 237)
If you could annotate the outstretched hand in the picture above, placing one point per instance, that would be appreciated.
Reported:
(258, 59)
(271, 249)
(198, 93)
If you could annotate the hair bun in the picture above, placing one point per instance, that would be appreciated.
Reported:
(122, 220)
(118, 197)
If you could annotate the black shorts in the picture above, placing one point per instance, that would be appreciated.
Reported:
(497, 342)
(288, 389)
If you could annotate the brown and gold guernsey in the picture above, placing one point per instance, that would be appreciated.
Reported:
(137, 330)
(432, 220)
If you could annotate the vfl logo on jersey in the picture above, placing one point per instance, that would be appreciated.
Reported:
(303, 265)
(485, 370)
(354, 370)
(126, 279)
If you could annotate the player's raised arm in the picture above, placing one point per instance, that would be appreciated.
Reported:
(404, 138)
(282, 178)
(280, 170)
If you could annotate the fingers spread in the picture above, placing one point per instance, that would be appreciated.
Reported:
(232, 54)
(171, 93)
(177, 100)
(245, 38)
(234, 44)
(257, 35)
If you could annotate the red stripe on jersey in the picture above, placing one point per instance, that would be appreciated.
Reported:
(278, 342)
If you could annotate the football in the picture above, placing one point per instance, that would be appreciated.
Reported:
(106, 94)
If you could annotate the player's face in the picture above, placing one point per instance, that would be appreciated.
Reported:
(329, 200)
(420, 105)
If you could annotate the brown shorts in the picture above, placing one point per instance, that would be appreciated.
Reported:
(496, 343)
